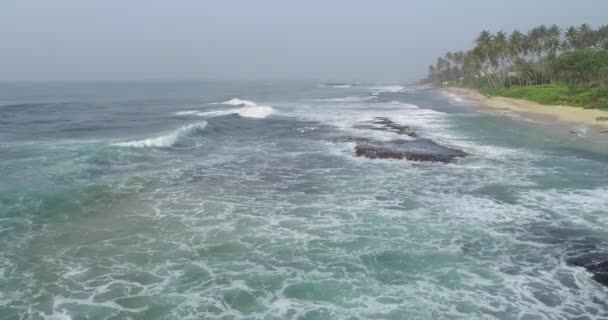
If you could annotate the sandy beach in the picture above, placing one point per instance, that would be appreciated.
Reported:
(561, 113)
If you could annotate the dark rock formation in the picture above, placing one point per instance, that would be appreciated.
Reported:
(395, 127)
(415, 150)
(596, 263)
(386, 124)
(581, 248)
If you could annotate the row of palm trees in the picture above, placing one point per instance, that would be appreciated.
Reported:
(519, 58)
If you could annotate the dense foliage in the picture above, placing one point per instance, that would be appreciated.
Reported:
(574, 60)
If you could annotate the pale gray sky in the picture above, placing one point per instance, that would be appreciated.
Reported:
(265, 39)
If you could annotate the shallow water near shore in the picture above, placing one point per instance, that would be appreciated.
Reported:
(230, 200)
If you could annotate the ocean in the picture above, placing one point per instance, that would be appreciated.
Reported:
(275, 200)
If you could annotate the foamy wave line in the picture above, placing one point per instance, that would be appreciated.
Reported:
(249, 109)
(186, 112)
(238, 102)
(388, 88)
(64, 315)
(348, 99)
(165, 141)
(336, 85)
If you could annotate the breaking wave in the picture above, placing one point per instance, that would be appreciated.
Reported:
(165, 141)
(338, 85)
(238, 102)
(249, 109)
(186, 112)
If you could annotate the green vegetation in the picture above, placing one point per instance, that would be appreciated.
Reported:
(554, 94)
(545, 65)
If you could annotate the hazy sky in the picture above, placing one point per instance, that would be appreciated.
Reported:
(256, 39)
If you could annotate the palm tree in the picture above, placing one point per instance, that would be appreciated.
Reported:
(534, 39)
(571, 39)
(524, 69)
(544, 36)
(553, 42)
(500, 45)
(448, 64)
(602, 37)
(458, 58)
(539, 52)
(432, 72)
(484, 51)
(538, 39)
(553, 38)
(448, 56)
(585, 36)
(516, 49)
(439, 64)
(440, 68)
(471, 64)
(516, 44)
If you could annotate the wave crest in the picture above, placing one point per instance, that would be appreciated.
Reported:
(249, 109)
(185, 113)
(165, 141)
(239, 102)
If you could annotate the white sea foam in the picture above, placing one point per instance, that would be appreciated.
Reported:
(386, 88)
(456, 98)
(306, 129)
(348, 99)
(259, 112)
(580, 131)
(249, 109)
(217, 113)
(453, 97)
(186, 112)
(338, 86)
(578, 205)
(63, 315)
(335, 85)
(164, 141)
(238, 102)
(353, 117)
(461, 229)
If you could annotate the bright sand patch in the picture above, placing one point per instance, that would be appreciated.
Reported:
(562, 113)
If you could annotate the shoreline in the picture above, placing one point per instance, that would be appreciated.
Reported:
(533, 110)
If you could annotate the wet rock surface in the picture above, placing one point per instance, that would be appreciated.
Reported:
(388, 125)
(596, 263)
(417, 149)
(580, 249)
(590, 253)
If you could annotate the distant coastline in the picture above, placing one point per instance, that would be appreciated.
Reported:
(546, 70)
(592, 117)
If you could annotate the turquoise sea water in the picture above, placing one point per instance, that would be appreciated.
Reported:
(245, 200)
